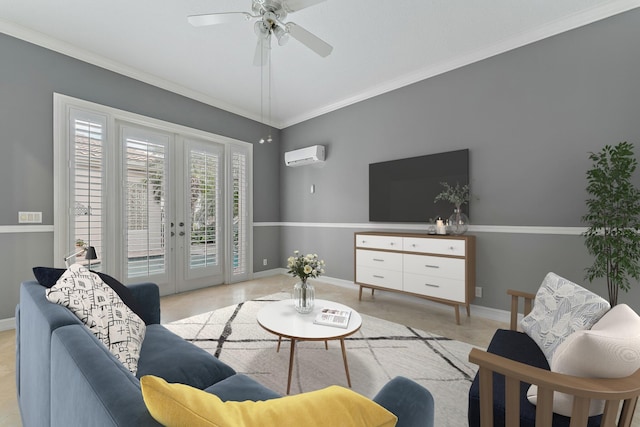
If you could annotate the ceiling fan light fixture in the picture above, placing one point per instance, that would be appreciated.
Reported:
(282, 35)
(260, 29)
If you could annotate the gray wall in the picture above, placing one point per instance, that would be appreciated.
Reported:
(29, 75)
(529, 117)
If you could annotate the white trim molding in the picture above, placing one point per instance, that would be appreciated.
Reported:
(7, 324)
(511, 229)
(7, 229)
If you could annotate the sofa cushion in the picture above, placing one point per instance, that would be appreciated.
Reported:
(166, 355)
(614, 341)
(48, 276)
(181, 405)
(520, 347)
(561, 307)
(240, 387)
(102, 311)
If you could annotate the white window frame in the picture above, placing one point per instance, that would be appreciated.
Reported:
(112, 264)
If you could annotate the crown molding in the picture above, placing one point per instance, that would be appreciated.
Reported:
(47, 42)
(551, 29)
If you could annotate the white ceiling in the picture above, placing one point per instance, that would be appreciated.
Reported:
(379, 45)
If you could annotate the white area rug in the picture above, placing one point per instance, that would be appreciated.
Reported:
(379, 351)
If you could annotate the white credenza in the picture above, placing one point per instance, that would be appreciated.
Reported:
(438, 268)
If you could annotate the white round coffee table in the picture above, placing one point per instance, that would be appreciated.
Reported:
(282, 319)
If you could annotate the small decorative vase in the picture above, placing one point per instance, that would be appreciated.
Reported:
(458, 222)
(303, 297)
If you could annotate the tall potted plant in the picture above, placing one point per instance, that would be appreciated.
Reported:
(613, 216)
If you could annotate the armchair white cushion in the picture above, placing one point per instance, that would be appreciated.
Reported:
(611, 349)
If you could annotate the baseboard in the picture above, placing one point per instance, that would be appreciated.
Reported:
(476, 310)
(269, 273)
(7, 324)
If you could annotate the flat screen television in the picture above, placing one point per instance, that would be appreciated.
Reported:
(404, 190)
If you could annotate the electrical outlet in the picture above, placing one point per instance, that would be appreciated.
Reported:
(264, 261)
(478, 291)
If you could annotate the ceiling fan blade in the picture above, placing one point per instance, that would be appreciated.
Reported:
(263, 50)
(295, 5)
(219, 18)
(311, 41)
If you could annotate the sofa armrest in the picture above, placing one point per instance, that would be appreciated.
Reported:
(147, 295)
(89, 387)
(615, 391)
(515, 302)
(409, 401)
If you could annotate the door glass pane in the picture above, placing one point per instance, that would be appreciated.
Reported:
(145, 191)
(87, 178)
(204, 180)
(239, 239)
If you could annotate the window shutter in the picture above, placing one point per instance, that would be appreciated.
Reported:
(87, 182)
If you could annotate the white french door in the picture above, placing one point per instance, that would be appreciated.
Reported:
(174, 217)
(160, 202)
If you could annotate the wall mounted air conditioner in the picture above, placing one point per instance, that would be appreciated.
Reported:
(304, 156)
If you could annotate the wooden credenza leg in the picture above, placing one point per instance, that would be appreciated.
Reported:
(457, 309)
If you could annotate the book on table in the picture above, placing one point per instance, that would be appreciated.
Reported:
(333, 317)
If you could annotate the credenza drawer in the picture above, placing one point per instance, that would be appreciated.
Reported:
(379, 259)
(434, 266)
(434, 246)
(379, 277)
(379, 242)
(436, 287)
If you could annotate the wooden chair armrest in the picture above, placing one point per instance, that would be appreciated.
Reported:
(515, 302)
(612, 390)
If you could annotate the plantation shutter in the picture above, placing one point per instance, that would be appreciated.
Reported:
(240, 240)
(87, 177)
(204, 175)
(144, 197)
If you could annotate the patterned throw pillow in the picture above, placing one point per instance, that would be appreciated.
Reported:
(102, 311)
(560, 308)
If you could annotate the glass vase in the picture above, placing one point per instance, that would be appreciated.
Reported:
(303, 297)
(458, 222)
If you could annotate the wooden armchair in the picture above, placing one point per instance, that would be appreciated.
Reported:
(620, 394)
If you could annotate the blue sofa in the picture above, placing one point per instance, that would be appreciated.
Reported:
(66, 377)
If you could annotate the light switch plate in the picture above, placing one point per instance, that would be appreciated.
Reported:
(29, 217)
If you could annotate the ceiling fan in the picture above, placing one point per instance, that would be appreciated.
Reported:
(269, 16)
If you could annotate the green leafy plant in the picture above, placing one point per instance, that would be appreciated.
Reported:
(455, 195)
(613, 216)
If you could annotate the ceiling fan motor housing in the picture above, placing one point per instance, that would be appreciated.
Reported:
(270, 10)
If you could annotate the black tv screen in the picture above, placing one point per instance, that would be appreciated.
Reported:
(404, 190)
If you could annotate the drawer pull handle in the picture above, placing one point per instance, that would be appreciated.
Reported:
(391, 243)
(452, 248)
(378, 259)
(431, 286)
(431, 266)
(378, 277)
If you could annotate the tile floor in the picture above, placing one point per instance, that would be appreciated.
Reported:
(408, 311)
